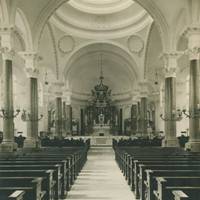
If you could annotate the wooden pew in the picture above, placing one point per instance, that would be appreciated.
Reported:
(151, 183)
(69, 160)
(187, 194)
(48, 183)
(31, 187)
(12, 195)
(134, 166)
(17, 195)
(179, 195)
(141, 176)
(57, 173)
(130, 159)
(163, 162)
(64, 170)
(167, 184)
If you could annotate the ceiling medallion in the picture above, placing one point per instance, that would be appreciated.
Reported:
(66, 44)
(135, 44)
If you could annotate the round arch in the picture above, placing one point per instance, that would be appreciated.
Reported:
(149, 6)
(107, 47)
(26, 28)
(82, 47)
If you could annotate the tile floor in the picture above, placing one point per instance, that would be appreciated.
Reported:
(101, 178)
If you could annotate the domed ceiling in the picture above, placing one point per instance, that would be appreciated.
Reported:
(101, 18)
(83, 70)
(114, 29)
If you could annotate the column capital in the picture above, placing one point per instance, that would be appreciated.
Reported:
(31, 59)
(170, 72)
(143, 88)
(58, 88)
(193, 35)
(7, 54)
(193, 53)
(67, 96)
(170, 62)
(32, 72)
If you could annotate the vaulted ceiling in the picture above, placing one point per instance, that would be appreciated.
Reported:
(71, 35)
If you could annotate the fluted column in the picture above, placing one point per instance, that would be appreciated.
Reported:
(193, 35)
(170, 99)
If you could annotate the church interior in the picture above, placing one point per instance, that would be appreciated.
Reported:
(99, 100)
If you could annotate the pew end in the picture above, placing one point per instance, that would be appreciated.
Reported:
(179, 195)
(17, 195)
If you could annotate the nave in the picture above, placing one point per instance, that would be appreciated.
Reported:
(100, 178)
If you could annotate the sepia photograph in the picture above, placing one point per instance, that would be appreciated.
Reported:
(99, 99)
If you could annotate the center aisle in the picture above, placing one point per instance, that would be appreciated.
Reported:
(100, 179)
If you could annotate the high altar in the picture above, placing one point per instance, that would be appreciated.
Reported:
(101, 112)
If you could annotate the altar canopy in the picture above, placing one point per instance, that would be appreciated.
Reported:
(101, 111)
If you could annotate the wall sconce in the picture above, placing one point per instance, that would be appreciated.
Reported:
(176, 116)
(6, 114)
(28, 117)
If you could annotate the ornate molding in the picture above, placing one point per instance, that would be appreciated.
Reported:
(193, 35)
(135, 44)
(7, 54)
(170, 72)
(66, 44)
(32, 72)
(170, 63)
(58, 88)
(31, 59)
(193, 53)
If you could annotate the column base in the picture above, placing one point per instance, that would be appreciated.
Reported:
(8, 147)
(170, 143)
(193, 146)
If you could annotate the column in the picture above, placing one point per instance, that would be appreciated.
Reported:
(138, 118)
(193, 35)
(58, 91)
(64, 119)
(120, 121)
(170, 100)
(134, 119)
(32, 139)
(143, 116)
(45, 110)
(8, 144)
(58, 125)
(143, 107)
(69, 119)
(49, 120)
(82, 120)
(32, 72)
